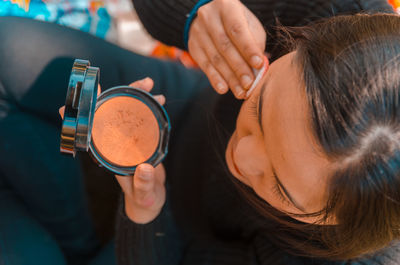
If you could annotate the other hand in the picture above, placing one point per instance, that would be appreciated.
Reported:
(144, 192)
(227, 40)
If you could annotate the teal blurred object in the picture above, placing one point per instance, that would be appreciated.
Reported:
(89, 16)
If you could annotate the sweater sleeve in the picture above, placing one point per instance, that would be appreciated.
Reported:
(154, 243)
(165, 20)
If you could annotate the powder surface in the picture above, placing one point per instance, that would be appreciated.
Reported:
(125, 132)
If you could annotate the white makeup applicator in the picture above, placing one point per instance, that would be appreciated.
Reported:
(259, 75)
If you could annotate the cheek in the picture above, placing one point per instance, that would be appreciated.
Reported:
(250, 157)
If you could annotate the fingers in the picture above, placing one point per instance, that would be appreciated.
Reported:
(259, 35)
(144, 185)
(146, 84)
(226, 48)
(227, 41)
(144, 193)
(61, 111)
(213, 63)
(160, 99)
(218, 81)
(141, 188)
(237, 26)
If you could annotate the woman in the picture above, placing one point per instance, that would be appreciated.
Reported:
(213, 222)
(318, 162)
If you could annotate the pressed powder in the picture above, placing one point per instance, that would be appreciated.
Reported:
(125, 131)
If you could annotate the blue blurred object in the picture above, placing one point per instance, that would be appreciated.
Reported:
(89, 16)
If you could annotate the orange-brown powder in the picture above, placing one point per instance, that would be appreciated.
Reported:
(125, 131)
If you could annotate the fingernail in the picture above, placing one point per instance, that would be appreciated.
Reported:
(246, 80)
(256, 61)
(145, 173)
(239, 91)
(220, 87)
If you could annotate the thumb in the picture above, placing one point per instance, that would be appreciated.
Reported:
(144, 185)
(256, 30)
(141, 181)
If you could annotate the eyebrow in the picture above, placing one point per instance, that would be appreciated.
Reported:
(260, 105)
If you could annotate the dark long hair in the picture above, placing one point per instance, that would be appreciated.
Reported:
(350, 66)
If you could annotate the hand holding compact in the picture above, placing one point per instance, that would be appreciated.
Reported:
(144, 192)
(227, 41)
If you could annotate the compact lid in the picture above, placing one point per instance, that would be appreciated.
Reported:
(80, 106)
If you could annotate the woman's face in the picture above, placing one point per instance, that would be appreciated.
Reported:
(273, 150)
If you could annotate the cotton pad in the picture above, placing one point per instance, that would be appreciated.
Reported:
(258, 73)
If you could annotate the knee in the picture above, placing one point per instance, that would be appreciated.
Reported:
(23, 241)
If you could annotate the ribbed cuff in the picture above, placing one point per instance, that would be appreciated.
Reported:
(189, 20)
(157, 242)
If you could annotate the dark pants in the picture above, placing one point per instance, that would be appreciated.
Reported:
(44, 216)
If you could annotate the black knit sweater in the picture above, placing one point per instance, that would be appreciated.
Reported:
(205, 220)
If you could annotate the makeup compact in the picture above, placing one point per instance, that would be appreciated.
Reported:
(121, 128)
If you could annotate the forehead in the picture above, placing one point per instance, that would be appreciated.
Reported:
(300, 164)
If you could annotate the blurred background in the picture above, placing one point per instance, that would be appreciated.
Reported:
(113, 20)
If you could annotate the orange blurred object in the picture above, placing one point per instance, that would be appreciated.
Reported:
(172, 53)
(22, 4)
(95, 5)
(395, 3)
